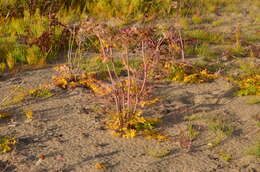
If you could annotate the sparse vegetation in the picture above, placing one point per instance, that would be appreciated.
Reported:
(7, 144)
(225, 156)
(193, 133)
(218, 125)
(158, 153)
(257, 119)
(28, 114)
(255, 150)
(217, 140)
(18, 95)
(151, 68)
(190, 74)
(222, 128)
(4, 115)
(100, 166)
(247, 80)
(41, 93)
(254, 100)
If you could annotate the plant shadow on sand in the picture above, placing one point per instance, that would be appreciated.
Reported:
(177, 108)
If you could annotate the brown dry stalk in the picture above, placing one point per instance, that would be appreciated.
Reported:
(182, 47)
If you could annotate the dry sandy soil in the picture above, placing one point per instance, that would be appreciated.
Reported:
(68, 130)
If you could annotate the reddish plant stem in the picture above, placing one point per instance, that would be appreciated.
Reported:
(137, 97)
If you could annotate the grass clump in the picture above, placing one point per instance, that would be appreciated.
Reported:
(220, 126)
(158, 153)
(225, 156)
(193, 133)
(41, 93)
(217, 22)
(203, 51)
(128, 9)
(217, 140)
(184, 22)
(4, 115)
(193, 117)
(191, 7)
(206, 36)
(196, 19)
(31, 39)
(249, 67)
(255, 150)
(101, 9)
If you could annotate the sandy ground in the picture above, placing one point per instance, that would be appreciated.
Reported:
(68, 130)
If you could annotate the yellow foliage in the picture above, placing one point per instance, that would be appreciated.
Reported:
(100, 166)
(115, 133)
(32, 55)
(137, 124)
(129, 133)
(202, 76)
(73, 84)
(149, 102)
(189, 74)
(4, 115)
(28, 113)
(88, 81)
(249, 85)
(6, 144)
(10, 61)
(2, 67)
(96, 86)
(167, 65)
(153, 135)
(114, 124)
(40, 92)
(247, 82)
(61, 82)
(153, 120)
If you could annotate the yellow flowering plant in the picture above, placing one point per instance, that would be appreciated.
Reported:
(249, 85)
(190, 74)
